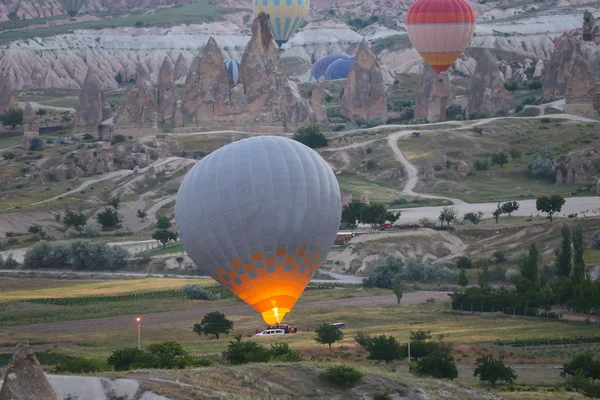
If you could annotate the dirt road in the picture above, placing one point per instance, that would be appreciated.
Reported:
(170, 317)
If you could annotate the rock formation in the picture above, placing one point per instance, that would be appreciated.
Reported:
(598, 187)
(433, 95)
(207, 93)
(140, 109)
(25, 379)
(346, 197)
(365, 199)
(264, 97)
(559, 177)
(429, 173)
(30, 129)
(8, 97)
(462, 167)
(488, 95)
(93, 107)
(364, 97)
(573, 70)
(167, 92)
(181, 68)
(318, 105)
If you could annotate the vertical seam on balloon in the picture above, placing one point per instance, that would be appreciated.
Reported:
(237, 255)
(289, 190)
(306, 210)
(262, 247)
(271, 186)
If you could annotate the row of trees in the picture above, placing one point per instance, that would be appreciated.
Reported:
(533, 291)
(77, 255)
(374, 215)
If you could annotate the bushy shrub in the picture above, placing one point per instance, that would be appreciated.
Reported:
(362, 338)
(596, 240)
(76, 256)
(439, 364)
(281, 352)
(243, 352)
(87, 231)
(10, 262)
(384, 348)
(481, 165)
(385, 271)
(166, 355)
(129, 358)
(464, 262)
(196, 292)
(311, 136)
(80, 365)
(541, 166)
(426, 222)
(427, 271)
(342, 375)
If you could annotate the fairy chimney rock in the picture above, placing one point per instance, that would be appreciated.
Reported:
(167, 92)
(364, 97)
(92, 106)
(8, 97)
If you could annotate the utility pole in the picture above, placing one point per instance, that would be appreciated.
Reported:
(139, 329)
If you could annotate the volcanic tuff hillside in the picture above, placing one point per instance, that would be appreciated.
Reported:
(57, 53)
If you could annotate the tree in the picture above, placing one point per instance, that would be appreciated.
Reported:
(514, 153)
(462, 278)
(481, 165)
(36, 231)
(472, 217)
(563, 253)
(376, 215)
(492, 370)
(528, 265)
(448, 214)
(73, 219)
(550, 204)
(141, 215)
(13, 117)
(455, 112)
(509, 207)
(511, 86)
(464, 262)
(8, 156)
(328, 334)
(214, 323)
(534, 85)
(163, 223)
(497, 213)
(398, 287)
(119, 79)
(168, 355)
(37, 144)
(439, 364)
(311, 136)
(114, 202)
(351, 213)
(164, 236)
(41, 112)
(578, 261)
(499, 158)
(109, 218)
(583, 362)
(65, 118)
(384, 348)
(128, 358)
(483, 275)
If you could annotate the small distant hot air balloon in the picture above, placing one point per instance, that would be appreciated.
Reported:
(286, 16)
(233, 68)
(72, 7)
(339, 69)
(440, 30)
(260, 215)
(321, 65)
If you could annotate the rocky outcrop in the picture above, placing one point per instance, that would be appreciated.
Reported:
(181, 68)
(28, 117)
(167, 92)
(93, 107)
(364, 199)
(25, 379)
(429, 173)
(140, 108)
(346, 197)
(30, 129)
(207, 93)
(8, 96)
(364, 97)
(598, 187)
(433, 95)
(591, 28)
(318, 105)
(488, 95)
(263, 99)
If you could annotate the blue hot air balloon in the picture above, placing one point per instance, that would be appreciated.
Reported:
(72, 7)
(339, 69)
(286, 16)
(233, 68)
(321, 65)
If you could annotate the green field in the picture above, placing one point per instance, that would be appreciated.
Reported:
(201, 11)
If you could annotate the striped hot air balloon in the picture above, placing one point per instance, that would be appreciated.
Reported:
(72, 7)
(286, 16)
(260, 215)
(233, 68)
(440, 30)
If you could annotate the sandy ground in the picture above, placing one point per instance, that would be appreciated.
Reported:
(91, 325)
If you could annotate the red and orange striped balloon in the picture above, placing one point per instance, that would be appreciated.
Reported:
(440, 30)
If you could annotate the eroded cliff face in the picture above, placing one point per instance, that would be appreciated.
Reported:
(364, 97)
(488, 95)
(433, 95)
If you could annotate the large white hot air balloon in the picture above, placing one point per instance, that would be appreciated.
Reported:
(261, 215)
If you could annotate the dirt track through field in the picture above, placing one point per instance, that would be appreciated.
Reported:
(169, 317)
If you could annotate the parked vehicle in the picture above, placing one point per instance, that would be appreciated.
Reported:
(271, 332)
(385, 226)
(340, 325)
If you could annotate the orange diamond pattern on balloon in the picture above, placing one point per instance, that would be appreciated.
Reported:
(280, 286)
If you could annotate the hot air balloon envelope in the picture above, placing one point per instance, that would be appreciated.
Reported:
(440, 30)
(321, 65)
(260, 215)
(233, 68)
(339, 69)
(286, 16)
(72, 7)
